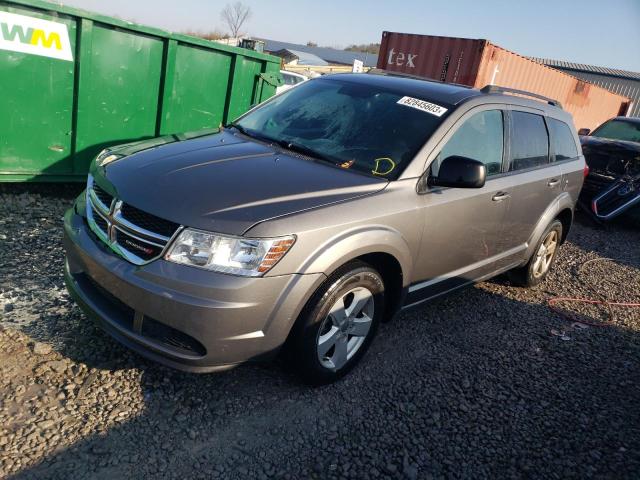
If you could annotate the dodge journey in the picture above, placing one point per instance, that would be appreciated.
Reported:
(303, 224)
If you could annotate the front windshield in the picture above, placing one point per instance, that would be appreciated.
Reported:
(352, 125)
(618, 130)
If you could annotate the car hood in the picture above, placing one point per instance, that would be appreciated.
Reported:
(614, 157)
(224, 182)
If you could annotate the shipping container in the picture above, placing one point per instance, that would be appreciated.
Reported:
(478, 63)
(73, 82)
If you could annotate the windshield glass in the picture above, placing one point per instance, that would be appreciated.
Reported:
(353, 125)
(618, 130)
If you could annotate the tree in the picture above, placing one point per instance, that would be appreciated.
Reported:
(365, 48)
(211, 35)
(235, 15)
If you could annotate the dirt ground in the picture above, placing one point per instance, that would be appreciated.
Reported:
(488, 382)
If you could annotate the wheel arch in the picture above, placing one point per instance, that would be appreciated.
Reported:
(391, 271)
(373, 242)
(561, 209)
(382, 247)
(389, 268)
(566, 218)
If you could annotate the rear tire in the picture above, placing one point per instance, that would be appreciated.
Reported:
(338, 324)
(542, 260)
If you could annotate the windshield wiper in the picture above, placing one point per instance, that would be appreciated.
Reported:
(240, 128)
(252, 133)
(286, 144)
(310, 152)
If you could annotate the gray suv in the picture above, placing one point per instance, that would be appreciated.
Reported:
(317, 215)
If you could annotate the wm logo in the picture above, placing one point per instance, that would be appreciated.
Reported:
(32, 36)
(20, 33)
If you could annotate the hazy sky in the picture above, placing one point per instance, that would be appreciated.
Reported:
(599, 32)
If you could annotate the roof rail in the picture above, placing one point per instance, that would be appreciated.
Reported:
(498, 89)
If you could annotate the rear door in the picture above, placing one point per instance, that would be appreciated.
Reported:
(567, 155)
(535, 181)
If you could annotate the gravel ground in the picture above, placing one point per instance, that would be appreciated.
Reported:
(486, 383)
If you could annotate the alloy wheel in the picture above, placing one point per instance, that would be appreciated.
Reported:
(545, 253)
(345, 328)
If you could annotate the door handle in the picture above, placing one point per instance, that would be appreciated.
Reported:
(498, 197)
(553, 182)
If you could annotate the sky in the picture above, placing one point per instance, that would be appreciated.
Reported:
(598, 32)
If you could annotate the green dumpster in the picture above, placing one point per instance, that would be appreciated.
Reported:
(73, 82)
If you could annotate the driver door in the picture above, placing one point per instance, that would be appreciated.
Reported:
(463, 234)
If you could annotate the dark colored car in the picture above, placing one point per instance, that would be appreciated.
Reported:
(612, 152)
(317, 215)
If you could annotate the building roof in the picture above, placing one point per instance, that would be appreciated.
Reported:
(304, 58)
(613, 72)
(330, 55)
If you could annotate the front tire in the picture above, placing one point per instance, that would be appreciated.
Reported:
(338, 324)
(542, 260)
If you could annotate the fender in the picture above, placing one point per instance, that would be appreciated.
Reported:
(562, 202)
(338, 250)
(358, 241)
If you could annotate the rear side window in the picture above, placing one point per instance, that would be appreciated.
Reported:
(529, 141)
(481, 138)
(564, 146)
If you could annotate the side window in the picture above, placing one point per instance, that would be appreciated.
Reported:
(480, 137)
(564, 146)
(288, 79)
(529, 141)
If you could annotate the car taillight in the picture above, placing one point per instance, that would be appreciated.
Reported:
(586, 170)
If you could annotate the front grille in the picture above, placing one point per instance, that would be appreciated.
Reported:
(101, 223)
(139, 247)
(136, 235)
(620, 195)
(596, 183)
(102, 195)
(148, 221)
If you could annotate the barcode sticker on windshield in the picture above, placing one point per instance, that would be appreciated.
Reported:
(431, 108)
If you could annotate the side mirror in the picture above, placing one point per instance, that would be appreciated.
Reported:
(460, 172)
(584, 131)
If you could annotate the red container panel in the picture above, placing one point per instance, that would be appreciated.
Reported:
(447, 59)
(589, 104)
(477, 63)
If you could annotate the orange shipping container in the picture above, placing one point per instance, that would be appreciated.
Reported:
(477, 63)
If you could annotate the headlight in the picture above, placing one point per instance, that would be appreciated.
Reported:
(105, 157)
(249, 257)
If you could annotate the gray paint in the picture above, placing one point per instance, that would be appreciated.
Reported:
(442, 238)
(238, 182)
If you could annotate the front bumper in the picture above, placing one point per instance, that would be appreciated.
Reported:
(183, 317)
